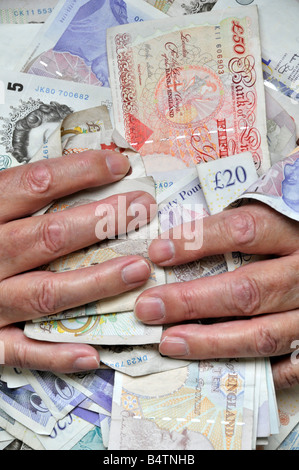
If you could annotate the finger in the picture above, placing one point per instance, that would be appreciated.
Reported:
(286, 371)
(26, 189)
(36, 294)
(25, 353)
(265, 336)
(35, 241)
(252, 229)
(258, 288)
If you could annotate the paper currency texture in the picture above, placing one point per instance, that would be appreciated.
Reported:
(279, 52)
(24, 11)
(278, 188)
(72, 45)
(181, 7)
(206, 405)
(191, 87)
(32, 108)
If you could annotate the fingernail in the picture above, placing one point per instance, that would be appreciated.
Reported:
(174, 346)
(86, 363)
(162, 250)
(117, 164)
(150, 309)
(136, 272)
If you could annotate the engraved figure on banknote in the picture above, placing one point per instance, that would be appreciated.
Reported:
(182, 97)
(290, 194)
(197, 96)
(198, 7)
(85, 38)
(279, 187)
(153, 437)
(28, 128)
(24, 398)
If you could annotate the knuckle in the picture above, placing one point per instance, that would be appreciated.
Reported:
(187, 299)
(43, 300)
(86, 163)
(241, 228)
(52, 235)
(244, 295)
(37, 178)
(20, 355)
(24, 356)
(101, 285)
(265, 342)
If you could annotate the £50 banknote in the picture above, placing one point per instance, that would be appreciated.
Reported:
(279, 51)
(191, 87)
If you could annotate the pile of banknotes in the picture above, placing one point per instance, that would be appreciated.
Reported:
(202, 96)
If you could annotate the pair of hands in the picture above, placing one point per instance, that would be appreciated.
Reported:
(265, 293)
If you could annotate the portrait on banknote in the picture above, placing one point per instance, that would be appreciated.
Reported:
(29, 126)
(197, 7)
(88, 48)
(279, 187)
(289, 185)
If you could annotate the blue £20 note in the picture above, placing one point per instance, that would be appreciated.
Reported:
(72, 43)
(24, 405)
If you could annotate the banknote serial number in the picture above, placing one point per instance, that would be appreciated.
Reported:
(220, 62)
(129, 362)
(62, 93)
(39, 11)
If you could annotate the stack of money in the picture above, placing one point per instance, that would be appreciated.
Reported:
(189, 79)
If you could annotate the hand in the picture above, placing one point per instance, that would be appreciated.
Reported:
(265, 293)
(29, 242)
